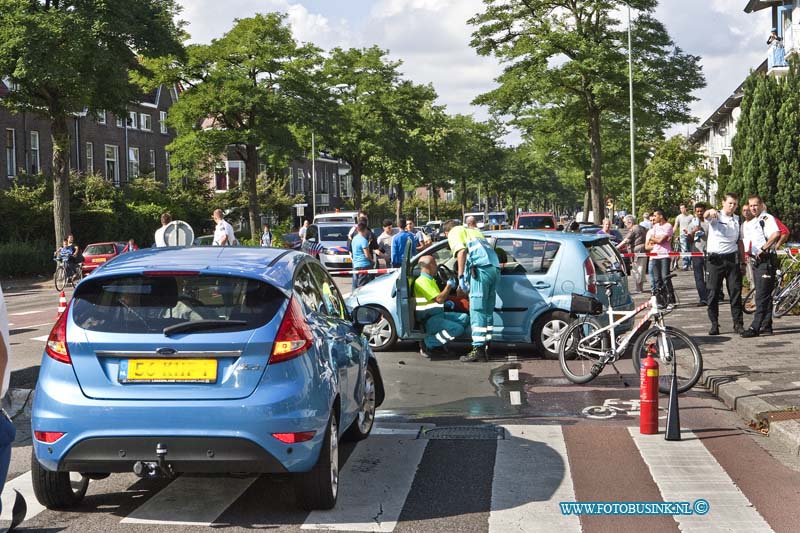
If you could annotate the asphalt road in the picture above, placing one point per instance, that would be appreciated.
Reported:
(459, 447)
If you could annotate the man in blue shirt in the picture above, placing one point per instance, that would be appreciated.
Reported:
(362, 255)
(399, 246)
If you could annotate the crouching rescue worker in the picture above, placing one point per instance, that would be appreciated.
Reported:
(478, 271)
(440, 325)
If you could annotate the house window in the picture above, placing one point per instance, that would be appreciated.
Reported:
(220, 178)
(112, 167)
(162, 121)
(101, 116)
(35, 163)
(235, 172)
(133, 162)
(166, 162)
(11, 153)
(89, 158)
(290, 175)
(120, 122)
(145, 122)
(132, 115)
(153, 162)
(301, 181)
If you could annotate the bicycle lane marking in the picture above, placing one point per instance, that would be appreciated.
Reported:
(686, 471)
(613, 406)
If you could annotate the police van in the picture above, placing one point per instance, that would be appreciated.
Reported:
(350, 217)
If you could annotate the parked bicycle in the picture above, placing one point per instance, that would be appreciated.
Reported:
(785, 294)
(586, 346)
(62, 276)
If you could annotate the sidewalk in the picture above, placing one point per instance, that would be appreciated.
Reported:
(759, 378)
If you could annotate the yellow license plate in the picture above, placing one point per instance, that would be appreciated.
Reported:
(168, 370)
(99, 260)
(348, 260)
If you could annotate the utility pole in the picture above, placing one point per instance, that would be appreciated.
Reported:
(313, 177)
(630, 94)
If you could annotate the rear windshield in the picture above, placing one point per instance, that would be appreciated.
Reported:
(140, 304)
(337, 233)
(534, 222)
(604, 256)
(99, 249)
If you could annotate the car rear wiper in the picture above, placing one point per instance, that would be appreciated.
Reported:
(203, 325)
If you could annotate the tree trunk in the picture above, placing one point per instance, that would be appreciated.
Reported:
(398, 212)
(357, 168)
(513, 207)
(251, 171)
(587, 197)
(597, 153)
(463, 197)
(435, 192)
(60, 137)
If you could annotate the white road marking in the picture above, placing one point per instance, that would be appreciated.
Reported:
(513, 374)
(190, 500)
(531, 453)
(24, 484)
(43, 338)
(23, 313)
(382, 467)
(515, 397)
(686, 471)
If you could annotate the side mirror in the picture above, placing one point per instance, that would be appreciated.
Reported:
(561, 227)
(365, 316)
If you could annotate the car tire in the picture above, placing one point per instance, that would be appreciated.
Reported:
(547, 332)
(318, 488)
(383, 334)
(365, 419)
(55, 490)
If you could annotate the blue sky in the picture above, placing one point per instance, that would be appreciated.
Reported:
(431, 37)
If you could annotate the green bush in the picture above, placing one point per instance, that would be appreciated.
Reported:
(19, 259)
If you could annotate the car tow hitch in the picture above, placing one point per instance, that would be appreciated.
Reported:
(157, 468)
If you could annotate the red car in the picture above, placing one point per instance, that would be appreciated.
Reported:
(536, 221)
(99, 253)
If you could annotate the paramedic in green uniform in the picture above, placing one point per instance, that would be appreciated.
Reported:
(441, 326)
(478, 271)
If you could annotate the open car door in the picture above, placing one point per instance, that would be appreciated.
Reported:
(403, 295)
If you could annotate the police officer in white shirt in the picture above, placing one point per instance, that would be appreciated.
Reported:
(223, 233)
(760, 235)
(725, 261)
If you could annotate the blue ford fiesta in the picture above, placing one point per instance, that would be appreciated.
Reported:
(203, 360)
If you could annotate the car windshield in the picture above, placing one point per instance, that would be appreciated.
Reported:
(536, 222)
(99, 249)
(143, 304)
(333, 233)
(604, 256)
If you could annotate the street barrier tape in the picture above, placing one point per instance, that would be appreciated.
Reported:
(696, 254)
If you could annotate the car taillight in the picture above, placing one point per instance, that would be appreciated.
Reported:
(57, 341)
(48, 437)
(294, 335)
(591, 279)
(293, 438)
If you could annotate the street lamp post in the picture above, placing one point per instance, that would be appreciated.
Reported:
(313, 178)
(630, 94)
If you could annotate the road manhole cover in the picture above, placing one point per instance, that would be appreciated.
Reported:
(464, 433)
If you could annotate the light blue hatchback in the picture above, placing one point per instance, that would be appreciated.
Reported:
(203, 360)
(540, 272)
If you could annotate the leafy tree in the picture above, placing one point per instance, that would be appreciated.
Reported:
(671, 176)
(787, 179)
(724, 173)
(572, 56)
(369, 127)
(67, 56)
(244, 92)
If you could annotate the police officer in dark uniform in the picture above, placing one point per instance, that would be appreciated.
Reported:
(760, 235)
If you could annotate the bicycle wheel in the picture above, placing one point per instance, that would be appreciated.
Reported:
(786, 299)
(578, 365)
(77, 276)
(749, 302)
(670, 344)
(60, 278)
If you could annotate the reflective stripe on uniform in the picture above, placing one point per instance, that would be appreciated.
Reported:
(441, 338)
(479, 337)
(432, 305)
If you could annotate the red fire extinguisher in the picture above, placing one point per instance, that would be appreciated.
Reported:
(648, 394)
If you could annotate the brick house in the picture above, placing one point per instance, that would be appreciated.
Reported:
(117, 147)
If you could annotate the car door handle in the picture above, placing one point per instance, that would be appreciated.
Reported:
(541, 285)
